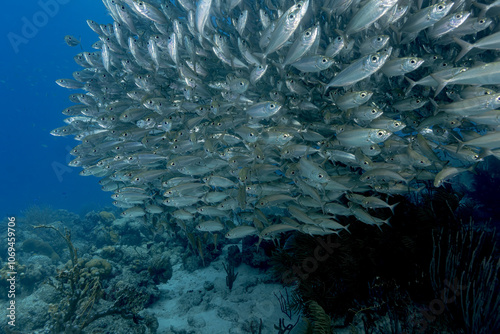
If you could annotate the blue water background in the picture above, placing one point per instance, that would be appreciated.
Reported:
(33, 164)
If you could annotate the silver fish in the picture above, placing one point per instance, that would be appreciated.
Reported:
(71, 40)
(286, 26)
(360, 69)
(368, 14)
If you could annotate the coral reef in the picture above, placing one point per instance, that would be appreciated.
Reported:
(99, 267)
(465, 271)
(160, 269)
(39, 247)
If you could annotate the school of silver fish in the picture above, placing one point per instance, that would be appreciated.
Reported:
(257, 117)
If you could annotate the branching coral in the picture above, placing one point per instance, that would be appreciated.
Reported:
(464, 273)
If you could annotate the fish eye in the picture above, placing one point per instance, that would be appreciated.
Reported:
(324, 60)
(440, 7)
(308, 34)
(482, 21)
(379, 39)
(380, 133)
(242, 83)
(458, 16)
(272, 105)
(291, 16)
(498, 98)
(374, 58)
(137, 179)
(412, 61)
(475, 157)
(320, 176)
(435, 57)
(374, 111)
(417, 100)
(362, 94)
(397, 124)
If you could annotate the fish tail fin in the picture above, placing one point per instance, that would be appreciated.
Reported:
(397, 32)
(486, 152)
(484, 8)
(393, 206)
(280, 66)
(347, 228)
(262, 56)
(412, 84)
(328, 12)
(460, 142)
(436, 106)
(441, 84)
(257, 244)
(387, 222)
(466, 47)
(472, 168)
(325, 87)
